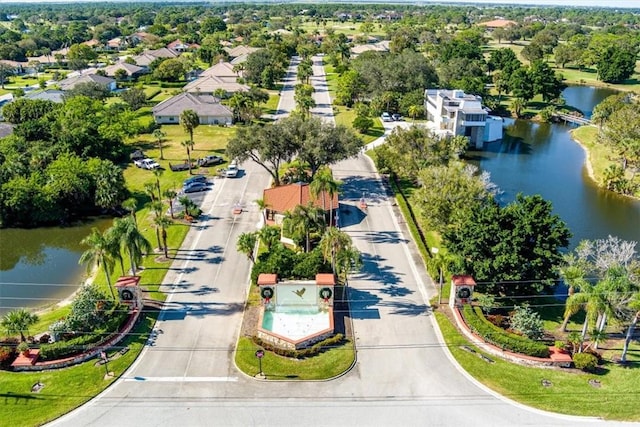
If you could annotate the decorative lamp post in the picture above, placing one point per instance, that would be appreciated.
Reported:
(259, 356)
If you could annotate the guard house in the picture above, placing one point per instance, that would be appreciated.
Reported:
(460, 114)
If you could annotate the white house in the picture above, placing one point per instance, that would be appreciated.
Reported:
(207, 107)
(457, 113)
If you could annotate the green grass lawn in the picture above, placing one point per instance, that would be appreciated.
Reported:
(570, 392)
(328, 364)
(64, 389)
(271, 107)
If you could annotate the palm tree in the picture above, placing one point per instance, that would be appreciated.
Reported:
(134, 243)
(269, 236)
(189, 146)
(159, 135)
(187, 204)
(634, 304)
(441, 262)
(322, 183)
(112, 236)
(150, 190)
(333, 243)
(573, 273)
(170, 195)
(414, 111)
(189, 120)
(158, 174)
(247, 243)
(100, 253)
(517, 105)
(156, 210)
(18, 321)
(131, 204)
(262, 205)
(303, 220)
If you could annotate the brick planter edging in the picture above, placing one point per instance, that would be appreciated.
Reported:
(521, 359)
(73, 360)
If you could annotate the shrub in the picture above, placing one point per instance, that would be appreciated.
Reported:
(23, 347)
(585, 361)
(317, 348)
(6, 354)
(499, 337)
(527, 322)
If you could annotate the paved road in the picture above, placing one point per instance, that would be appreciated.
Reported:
(403, 375)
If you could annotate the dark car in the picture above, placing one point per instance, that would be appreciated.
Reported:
(396, 117)
(195, 187)
(196, 178)
(210, 161)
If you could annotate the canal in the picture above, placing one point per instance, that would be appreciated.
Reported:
(541, 158)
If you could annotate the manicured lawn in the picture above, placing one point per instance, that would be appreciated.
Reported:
(271, 107)
(64, 389)
(326, 365)
(570, 392)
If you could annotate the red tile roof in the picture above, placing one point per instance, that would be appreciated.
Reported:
(324, 279)
(286, 197)
(125, 281)
(498, 23)
(463, 280)
(267, 279)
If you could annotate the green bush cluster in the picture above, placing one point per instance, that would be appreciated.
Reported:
(82, 343)
(172, 84)
(314, 350)
(585, 361)
(499, 337)
(288, 264)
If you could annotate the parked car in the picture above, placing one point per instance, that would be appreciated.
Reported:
(386, 117)
(396, 117)
(210, 161)
(196, 178)
(181, 167)
(194, 187)
(147, 163)
(232, 170)
(137, 155)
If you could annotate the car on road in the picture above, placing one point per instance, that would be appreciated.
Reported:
(146, 163)
(396, 117)
(210, 161)
(195, 187)
(386, 117)
(196, 178)
(232, 170)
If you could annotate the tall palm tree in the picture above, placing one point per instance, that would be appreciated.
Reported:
(414, 111)
(262, 205)
(189, 120)
(333, 242)
(170, 196)
(134, 243)
(322, 183)
(634, 304)
(573, 274)
(158, 174)
(303, 220)
(159, 135)
(187, 204)
(269, 236)
(113, 238)
(131, 204)
(189, 146)
(100, 253)
(18, 321)
(156, 209)
(441, 262)
(247, 243)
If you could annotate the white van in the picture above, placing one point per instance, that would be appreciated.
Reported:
(232, 170)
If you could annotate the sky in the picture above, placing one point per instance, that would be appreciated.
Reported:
(577, 3)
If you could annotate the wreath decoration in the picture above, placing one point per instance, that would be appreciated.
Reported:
(266, 293)
(127, 295)
(464, 293)
(325, 294)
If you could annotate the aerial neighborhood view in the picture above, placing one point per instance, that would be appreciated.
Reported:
(320, 213)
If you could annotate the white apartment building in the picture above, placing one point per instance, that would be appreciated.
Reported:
(456, 113)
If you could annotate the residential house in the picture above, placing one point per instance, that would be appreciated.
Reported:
(71, 82)
(222, 69)
(239, 59)
(116, 43)
(143, 37)
(457, 113)
(148, 56)
(55, 95)
(180, 46)
(132, 70)
(208, 108)
(240, 50)
(93, 43)
(284, 198)
(210, 84)
(382, 46)
(19, 68)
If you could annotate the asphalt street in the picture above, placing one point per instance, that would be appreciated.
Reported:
(403, 376)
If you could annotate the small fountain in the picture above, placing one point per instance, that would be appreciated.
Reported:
(296, 314)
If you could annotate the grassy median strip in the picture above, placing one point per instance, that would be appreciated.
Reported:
(326, 365)
(569, 392)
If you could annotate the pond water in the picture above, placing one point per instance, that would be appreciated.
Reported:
(540, 158)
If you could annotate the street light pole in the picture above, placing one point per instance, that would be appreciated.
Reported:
(259, 356)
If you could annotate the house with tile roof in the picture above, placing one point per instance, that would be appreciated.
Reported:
(210, 84)
(180, 46)
(148, 56)
(71, 82)
(284, 198)
(240, 50)
(54, 95)
(207, 107)
(131, 69)
(222, 69)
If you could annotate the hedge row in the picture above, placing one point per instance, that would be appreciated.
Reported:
(499, 337)
(153, 93)
(172, 84)
(314, 350)
(77, 345)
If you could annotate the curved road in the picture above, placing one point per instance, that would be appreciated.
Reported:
(403, 375)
